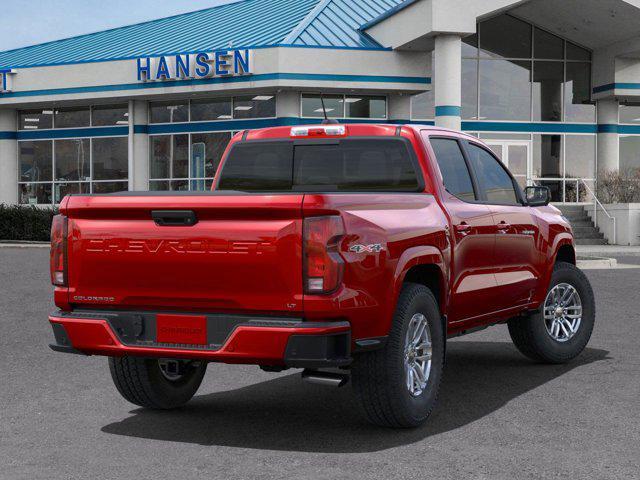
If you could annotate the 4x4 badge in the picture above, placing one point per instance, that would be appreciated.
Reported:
(373, 248)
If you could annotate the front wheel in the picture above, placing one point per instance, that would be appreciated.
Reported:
(398, 385)
(562, 328)
(160, 384)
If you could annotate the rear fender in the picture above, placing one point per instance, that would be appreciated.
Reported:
(423, 255)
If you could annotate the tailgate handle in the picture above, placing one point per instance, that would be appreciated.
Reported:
(174, 218)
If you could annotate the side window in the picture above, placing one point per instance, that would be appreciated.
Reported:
(492, 177)
(455, 172)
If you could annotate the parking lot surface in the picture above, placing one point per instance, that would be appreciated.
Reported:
(500, 416)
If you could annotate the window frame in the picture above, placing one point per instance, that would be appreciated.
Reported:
(53, 182)
(474, 183)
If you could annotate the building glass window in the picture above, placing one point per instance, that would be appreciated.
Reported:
(547, 163)
(35, 193)
(312, 106)
(35, 119)
(580, 156)
(211, 109)
(206, 153)
(547, 91)
(254, 106)
(36, 161)
(547, 46)
(505, 37)
(344, 106)
(109, 115)
(169, 112)
(469, 89)
(361, 106)
(110, 158)
(73, 160)
(75, 117)
(505, 90)
(578, 105)
(49, 169)
(630, 114)
(519, 73)
(575, 52)
(185, 162)
(629, 152)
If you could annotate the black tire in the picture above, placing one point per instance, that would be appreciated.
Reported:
(379, 378)
(141, 382)
(530, 335)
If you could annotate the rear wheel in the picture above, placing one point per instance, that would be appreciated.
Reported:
(398, 385)
(156, 383)
(562, 328)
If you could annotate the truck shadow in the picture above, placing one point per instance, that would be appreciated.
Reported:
(285, 414)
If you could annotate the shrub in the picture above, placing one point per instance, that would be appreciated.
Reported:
(24, 223)
(619, 186)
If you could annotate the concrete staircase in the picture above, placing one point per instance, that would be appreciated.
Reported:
(584, 231)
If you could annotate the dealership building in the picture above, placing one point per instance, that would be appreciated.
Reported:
(552, 86)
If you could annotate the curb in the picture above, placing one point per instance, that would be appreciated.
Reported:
(588, 263)
(24, 245)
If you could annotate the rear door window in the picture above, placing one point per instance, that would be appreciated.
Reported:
(453, 167)
(350, 165)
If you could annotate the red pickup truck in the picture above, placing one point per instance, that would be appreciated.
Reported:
(350, 251)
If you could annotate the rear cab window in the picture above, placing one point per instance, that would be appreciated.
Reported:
(346, 165)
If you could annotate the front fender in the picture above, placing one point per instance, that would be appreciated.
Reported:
(560, 240)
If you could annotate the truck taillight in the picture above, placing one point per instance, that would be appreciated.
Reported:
(58, 258)
(323, 265)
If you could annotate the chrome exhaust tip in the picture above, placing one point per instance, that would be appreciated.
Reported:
(326, 379)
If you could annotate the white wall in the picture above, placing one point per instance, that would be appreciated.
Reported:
(627, 223)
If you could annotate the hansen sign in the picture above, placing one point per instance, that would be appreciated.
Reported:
(221, 63)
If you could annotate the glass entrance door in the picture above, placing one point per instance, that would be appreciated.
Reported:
(516, 155)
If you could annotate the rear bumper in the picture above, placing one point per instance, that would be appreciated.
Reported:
(243, 340)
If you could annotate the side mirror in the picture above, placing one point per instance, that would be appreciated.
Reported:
(537, 196)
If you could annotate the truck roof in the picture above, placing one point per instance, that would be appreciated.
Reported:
(342, 130)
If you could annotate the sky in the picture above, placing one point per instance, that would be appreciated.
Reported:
(29, 22)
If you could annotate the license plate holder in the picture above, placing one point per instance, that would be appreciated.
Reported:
(181, 329)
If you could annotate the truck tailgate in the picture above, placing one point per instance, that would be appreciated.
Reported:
(244, 253)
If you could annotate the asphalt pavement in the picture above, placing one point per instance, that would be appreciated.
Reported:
(500, 416)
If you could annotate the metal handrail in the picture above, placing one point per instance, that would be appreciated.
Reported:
(597, 203)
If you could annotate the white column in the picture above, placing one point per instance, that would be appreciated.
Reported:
(399, 107)
(8, 158)
(288, 104)
(448, 79)
(608, 137)
(139, 145)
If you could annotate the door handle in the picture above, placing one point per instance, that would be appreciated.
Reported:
(174, 218)
(463, 228)
(503, 227)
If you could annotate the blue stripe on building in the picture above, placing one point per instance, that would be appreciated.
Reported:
(448, 111)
